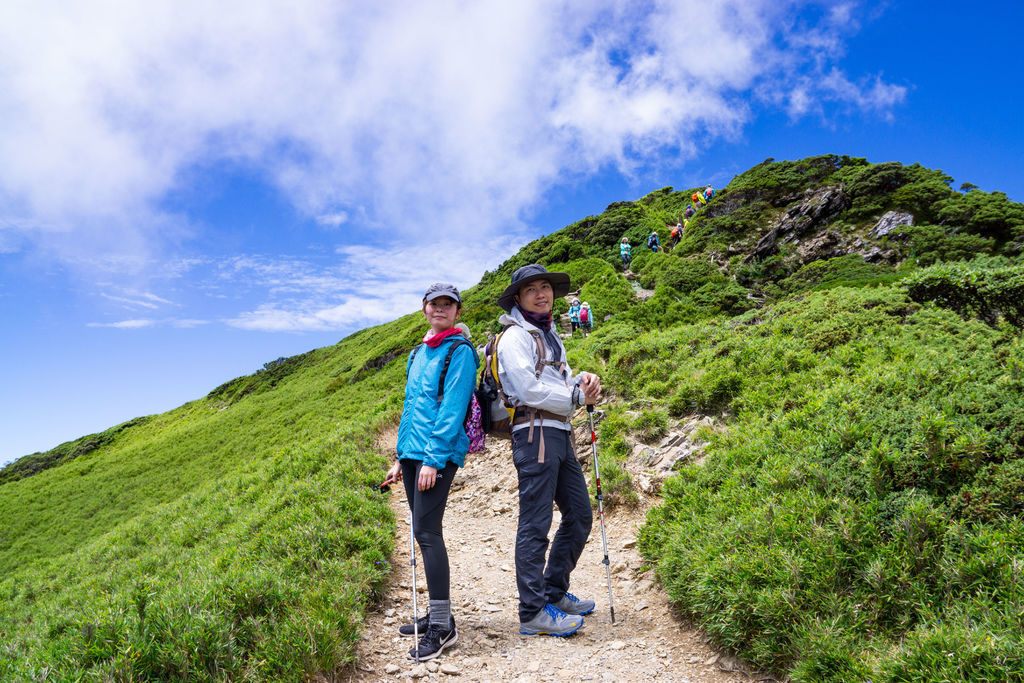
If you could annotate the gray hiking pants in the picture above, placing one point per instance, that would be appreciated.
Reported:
(558, 480)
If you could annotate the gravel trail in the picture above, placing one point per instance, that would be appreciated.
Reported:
(647, 642)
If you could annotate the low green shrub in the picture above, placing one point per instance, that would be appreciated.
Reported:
(650, 425)
(607, 294)
(988, 294)
(845, 271)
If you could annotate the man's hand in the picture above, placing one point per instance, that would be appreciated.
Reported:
(590, 385)
(428, 475)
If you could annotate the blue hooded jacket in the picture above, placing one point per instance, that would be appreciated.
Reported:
(429, 431)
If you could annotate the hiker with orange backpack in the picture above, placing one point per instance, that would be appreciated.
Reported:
(432, 445)
(536, 381)
(698, 199)
(677, 234)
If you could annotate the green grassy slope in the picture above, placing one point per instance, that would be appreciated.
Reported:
(858, 514)
(219, 540)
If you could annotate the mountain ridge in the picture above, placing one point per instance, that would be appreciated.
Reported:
(787, 282)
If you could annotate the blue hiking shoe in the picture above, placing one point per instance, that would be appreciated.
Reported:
(570, 604)
(551, 621)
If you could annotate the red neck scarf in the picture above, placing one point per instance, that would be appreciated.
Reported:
(435, 341)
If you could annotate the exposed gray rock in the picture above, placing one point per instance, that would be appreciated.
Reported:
(816, 209)
(889, 222)
(829, 244)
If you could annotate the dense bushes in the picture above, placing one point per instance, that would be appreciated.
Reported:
(972, 291)
(845, 271)
(863, 511)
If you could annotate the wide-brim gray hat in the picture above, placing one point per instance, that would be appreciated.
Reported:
(527, 274)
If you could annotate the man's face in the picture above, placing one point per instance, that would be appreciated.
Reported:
(536, 297)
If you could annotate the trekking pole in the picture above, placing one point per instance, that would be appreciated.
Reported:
(415, 609)
(600, 510)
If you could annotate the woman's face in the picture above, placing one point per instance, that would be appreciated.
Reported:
(536, 297)
(442, 313)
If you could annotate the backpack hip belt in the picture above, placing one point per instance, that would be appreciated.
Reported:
(532, 415)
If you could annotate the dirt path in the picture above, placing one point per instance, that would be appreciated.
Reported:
(646, 642)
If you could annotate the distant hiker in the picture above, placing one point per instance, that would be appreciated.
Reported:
(653, 243)
(677, 234)
(624, 253)
(698, 199)
(586, 319)
(709, 192)
(689, 211)
(544, 393)
(574, 315)
(431, 447)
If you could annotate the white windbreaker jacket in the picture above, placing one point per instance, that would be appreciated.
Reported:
(517, 364)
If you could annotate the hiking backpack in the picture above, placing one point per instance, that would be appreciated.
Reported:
(584, 315)
(651, 240)
(473, 423)
(495, 405)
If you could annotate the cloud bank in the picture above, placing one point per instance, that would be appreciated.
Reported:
(378, 116)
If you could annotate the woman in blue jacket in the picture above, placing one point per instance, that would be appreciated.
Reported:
(431, 447)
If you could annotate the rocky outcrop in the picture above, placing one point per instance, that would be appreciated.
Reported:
(816, 209)
(890, 222)
(829, 244)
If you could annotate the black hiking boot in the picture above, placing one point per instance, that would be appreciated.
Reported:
(421, 624)
(433, 643)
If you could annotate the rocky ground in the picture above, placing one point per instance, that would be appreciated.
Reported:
(647, 642)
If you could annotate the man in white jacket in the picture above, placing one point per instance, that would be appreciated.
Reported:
(538, 382)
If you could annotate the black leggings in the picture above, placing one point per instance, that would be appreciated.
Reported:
(428, 512)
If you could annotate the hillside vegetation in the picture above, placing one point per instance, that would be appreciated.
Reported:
(853, 330)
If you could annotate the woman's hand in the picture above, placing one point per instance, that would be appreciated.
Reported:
(428, 475)
(394, 474)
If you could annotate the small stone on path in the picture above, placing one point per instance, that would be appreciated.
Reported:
(616, 645)
(449, 669)
(392, 669)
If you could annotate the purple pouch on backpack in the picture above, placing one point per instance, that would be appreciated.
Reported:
(475, 426)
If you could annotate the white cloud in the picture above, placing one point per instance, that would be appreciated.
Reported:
(146, 322)
(332, 220)
(368, 285)
(138, 300)
(383, 115)
(126, 324)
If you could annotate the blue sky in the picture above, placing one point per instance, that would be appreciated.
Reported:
(191, 189)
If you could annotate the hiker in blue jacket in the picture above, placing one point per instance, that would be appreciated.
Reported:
(574, 315)
(432, 444)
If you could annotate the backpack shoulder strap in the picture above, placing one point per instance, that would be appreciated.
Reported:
(457, 341)
(412, 357)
